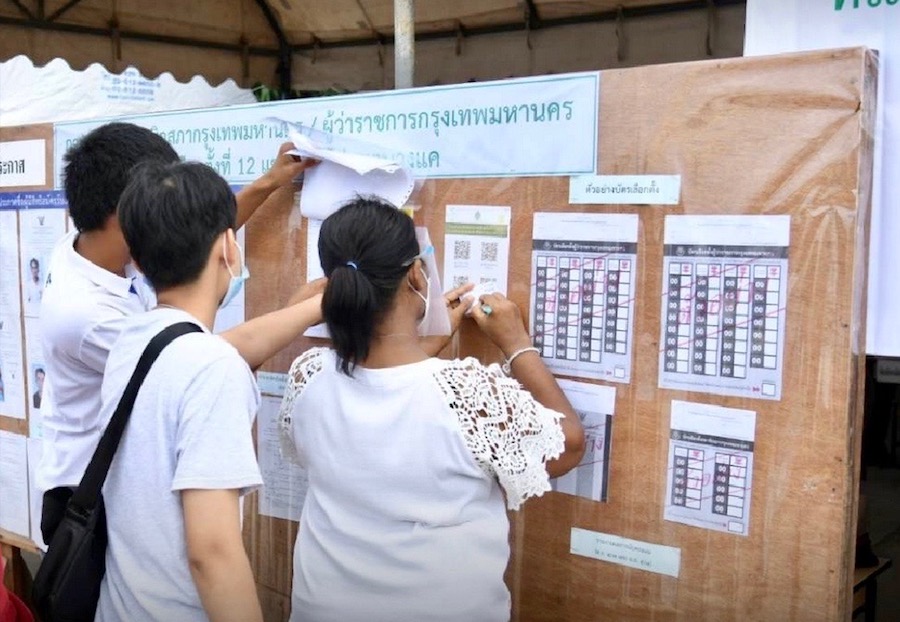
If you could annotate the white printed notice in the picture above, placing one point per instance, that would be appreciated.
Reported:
(10, 303)
(34, 367)
(476, 246)
(710, 469)
(626, 552)
(35, 496)
(582, 293)
(12, 377)
(14, 483)
(724, 304)
(625, 189)
(314, 270)
(23, 163)
(477, 129)
(595, 405)
(40, 230)
(284, 483)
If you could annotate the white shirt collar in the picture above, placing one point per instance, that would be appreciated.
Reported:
(113, 283)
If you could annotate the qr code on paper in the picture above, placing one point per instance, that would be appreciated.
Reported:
(489, 251)
(462, 249)
(459, 281)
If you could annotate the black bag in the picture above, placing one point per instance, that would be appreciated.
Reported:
(67, 585)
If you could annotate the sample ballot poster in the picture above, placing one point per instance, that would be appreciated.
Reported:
(582, 293)
(476, 246)
(284, 483)
(724, 304)
(594, 404)
(40, 230)
(710, 468)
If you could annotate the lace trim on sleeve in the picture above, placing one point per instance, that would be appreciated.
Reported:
(508, 432)
(304, 368)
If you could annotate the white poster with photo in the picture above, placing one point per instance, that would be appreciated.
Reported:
(35, 370)
(39, 231)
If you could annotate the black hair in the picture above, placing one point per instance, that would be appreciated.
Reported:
(99, 164)
(365, 248)
(170, 215)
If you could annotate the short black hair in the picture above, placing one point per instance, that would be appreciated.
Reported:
(98, 165)
(170, 215)
(365, 249)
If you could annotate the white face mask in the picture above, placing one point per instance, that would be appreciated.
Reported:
(237, 280)
(436, 320)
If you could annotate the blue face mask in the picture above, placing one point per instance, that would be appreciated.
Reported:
(237, 280)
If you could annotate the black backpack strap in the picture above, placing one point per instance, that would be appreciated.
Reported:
(88, 491)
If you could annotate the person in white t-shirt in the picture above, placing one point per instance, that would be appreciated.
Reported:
(92, 289)
(409, 457)
(186, 457)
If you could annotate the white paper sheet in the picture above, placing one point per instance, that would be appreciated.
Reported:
(12, 377)
(583, 280)
(724, 305)
(595, 405)
(234, 313)
(476, 246)
(625, 189)
(10, 302)
(626, 552)
(710, 468)
(39, 231)
(14, 484)
(35, 496)
(35, 369)
(23, 163)
(284, 483)
(346, 169)
(314, 270)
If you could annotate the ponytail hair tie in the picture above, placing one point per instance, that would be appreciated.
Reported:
(352, 264)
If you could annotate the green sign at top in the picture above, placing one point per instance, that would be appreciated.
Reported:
(855, 4)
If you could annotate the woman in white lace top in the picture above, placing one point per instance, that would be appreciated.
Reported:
(410, 457)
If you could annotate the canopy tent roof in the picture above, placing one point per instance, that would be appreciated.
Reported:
(268, 27)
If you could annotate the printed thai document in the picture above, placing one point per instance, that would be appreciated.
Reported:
(710, 469)
(595, 405)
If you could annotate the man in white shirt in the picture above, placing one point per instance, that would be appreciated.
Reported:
(92, 289)
(173, 491)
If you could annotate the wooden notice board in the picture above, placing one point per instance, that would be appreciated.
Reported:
(779, 135)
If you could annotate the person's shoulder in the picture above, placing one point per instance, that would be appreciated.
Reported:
(308, 366)
(67, 319)
(469, 368)
(204, 355)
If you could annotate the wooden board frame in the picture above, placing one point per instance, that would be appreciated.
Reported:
(774, 135)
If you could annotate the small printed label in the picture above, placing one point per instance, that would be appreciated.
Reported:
(625, 552)
(271, 383)
(23, 163)
(625, 189)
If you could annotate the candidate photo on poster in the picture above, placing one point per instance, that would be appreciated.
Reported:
(37, 376)
(33, 284)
